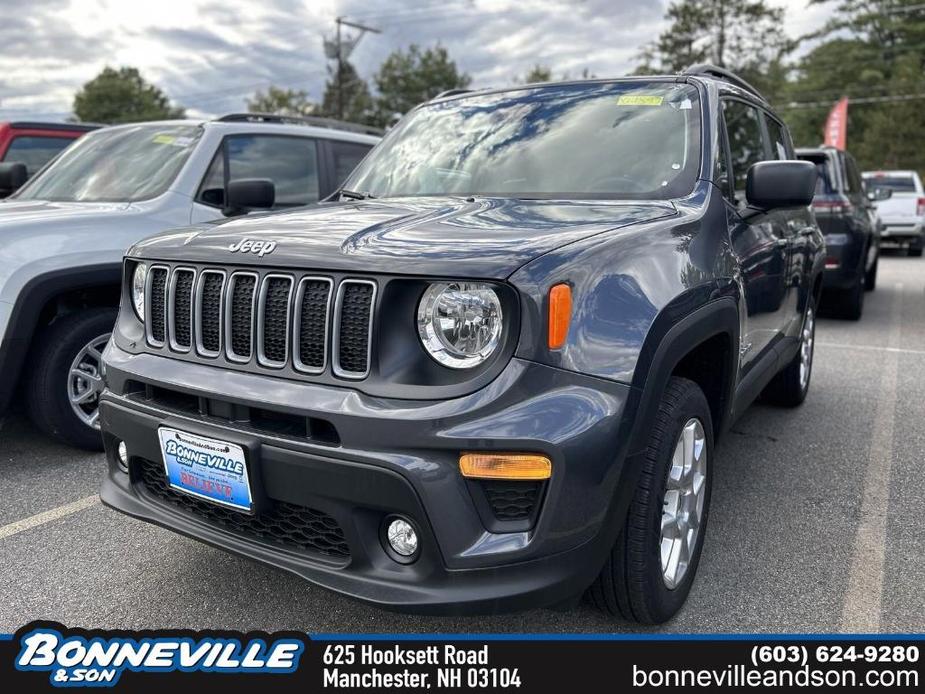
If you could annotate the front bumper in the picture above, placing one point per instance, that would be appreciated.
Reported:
(394, 457)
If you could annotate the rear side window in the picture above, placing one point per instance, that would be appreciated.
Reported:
(852, 176)
(35, 151)
(826, 179)
(743, 128)
(780, 149)
(290, 162)
(346, 157)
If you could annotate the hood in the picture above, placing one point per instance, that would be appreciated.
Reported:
(17, 212)
(453, 237)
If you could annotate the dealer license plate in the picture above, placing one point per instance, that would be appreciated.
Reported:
(206, 468)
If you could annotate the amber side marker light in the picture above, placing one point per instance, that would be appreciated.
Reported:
(560, 314)
(505, 466)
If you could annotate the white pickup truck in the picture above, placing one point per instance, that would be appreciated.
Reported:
(903, 213)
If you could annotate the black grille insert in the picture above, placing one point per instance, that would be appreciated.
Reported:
(158, 304)
(510, 500)
(210, 312)
(183, 307)
(242, 316)
(313, 321)
(353, 327)
(275, 317)
(286, 525)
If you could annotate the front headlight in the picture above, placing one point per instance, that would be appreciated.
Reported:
(139, 279)
(460, 323)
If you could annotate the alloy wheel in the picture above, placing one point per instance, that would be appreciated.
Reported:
(85, 381)
(682, 511)
(806, 347)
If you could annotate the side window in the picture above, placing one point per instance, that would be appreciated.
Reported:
(778, 137)
(855, 183)
(35, 152)
(743, 127)
(290, 162)
(346, 157)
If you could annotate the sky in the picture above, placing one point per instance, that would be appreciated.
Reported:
(210, 55)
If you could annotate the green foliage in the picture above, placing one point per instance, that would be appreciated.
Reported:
(122, 96)
(354, 102)
(283, 102)
(408, 78)
(538, 73)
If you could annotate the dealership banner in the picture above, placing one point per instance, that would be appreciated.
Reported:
(43, 656)
(836, 125)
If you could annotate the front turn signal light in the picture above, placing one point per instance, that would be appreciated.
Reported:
(560, 314)
(505, 466)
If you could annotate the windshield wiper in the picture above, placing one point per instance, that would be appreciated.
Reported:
(354, 195)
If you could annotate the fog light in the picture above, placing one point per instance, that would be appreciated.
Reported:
(123, 456)
(403, 539)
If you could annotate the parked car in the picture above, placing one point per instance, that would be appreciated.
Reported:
(848, 219)
(65, 233)
(903, 213)
(25, 147)
(492, 371)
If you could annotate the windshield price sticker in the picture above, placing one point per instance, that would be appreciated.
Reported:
(414, 666)
(640, 100)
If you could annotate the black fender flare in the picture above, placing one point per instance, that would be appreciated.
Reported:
(34, 296)
(664, 349)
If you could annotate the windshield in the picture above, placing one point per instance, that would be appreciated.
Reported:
(121, 164)
(898, 184)
(612, 140)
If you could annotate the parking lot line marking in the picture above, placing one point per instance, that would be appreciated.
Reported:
(864, 594)
(47, 516)
(873, 348)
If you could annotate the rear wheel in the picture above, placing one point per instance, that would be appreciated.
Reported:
(651, 567)
(870, 277)
(66, 378)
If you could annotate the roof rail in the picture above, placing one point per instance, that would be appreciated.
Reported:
(452, 92)
(48, 125)
(317, 121)
(723, 74)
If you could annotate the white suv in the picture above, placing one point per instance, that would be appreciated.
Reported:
(903, 213)
(63, 235)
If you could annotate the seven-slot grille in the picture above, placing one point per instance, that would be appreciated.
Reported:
(275, 320)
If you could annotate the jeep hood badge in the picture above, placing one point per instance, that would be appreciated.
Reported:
(259, 248)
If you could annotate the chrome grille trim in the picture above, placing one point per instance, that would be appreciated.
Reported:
(149, 280)
(297, 325)
(262, 358)
(229, 296)
(335, 361)
(197, 312)
(171, 309)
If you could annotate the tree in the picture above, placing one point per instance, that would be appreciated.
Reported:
(122, 96)
(408, 78)
(355, 99)
(735, 34)
(283, 102)
(538, 73)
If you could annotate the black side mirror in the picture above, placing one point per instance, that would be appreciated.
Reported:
(12, 177)
(879, 194)
(246, 194)
(774, 185)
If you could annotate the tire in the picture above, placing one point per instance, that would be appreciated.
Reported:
(852, 303)
(915, 252)
(49, 383)
(632, 584)
(870, 278)
(791, 385)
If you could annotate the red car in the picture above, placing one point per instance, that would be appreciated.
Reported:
(32, 144)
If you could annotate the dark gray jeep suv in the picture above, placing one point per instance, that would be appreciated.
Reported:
(489, 374)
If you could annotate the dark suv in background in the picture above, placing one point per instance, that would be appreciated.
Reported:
(848, 219)
(489, 374)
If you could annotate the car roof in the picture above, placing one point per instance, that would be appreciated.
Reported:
(905, 173)
(50, 125)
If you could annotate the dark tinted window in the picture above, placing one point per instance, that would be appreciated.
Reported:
(34, 151)
(853, 177)
(290, 162)
(826, 179)
(743, 127)
(780, 149)
(346, 157)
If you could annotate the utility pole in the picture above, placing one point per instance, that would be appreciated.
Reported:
(340, 49)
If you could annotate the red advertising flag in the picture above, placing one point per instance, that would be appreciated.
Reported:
(836, 127)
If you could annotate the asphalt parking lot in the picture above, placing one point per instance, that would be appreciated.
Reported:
(818, 519)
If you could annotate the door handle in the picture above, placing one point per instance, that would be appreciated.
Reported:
(783, 242)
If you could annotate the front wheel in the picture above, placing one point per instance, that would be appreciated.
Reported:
(790, 386)
(66, 377)
(651, 567)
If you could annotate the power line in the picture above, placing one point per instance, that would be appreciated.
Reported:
(893, 98)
